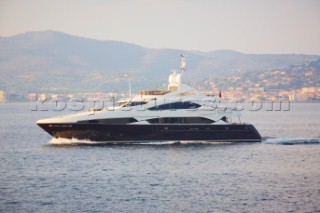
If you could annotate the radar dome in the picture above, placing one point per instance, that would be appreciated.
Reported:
(172, 78)
(178, 78)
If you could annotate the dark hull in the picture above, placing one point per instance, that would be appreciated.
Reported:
(157, 132)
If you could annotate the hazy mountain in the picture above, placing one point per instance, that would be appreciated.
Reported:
(53, 61)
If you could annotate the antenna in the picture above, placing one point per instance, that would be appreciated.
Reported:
(182, 64)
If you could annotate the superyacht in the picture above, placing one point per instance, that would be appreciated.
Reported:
(179, 113)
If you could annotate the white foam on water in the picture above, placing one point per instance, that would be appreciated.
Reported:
(157, 143)
(205, 142)
(280, 141)
(73, 141)
(291, 141)
(180, 142)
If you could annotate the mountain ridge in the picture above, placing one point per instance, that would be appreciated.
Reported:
(37, 61)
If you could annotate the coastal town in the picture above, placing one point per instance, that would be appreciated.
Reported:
(297, 83)
(305, 94)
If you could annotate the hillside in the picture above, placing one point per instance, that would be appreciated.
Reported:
(51, 61)
(290, 78)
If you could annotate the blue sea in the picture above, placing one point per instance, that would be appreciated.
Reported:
(281, 174)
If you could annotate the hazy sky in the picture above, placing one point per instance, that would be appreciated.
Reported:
(250, 26)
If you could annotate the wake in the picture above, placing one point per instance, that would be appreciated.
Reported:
(291, 141)
(266, 140)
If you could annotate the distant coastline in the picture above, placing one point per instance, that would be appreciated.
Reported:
(55, 64)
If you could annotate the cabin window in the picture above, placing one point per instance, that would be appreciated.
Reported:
(109, 121)
(180, 120)
(176, 105)
(135, 103)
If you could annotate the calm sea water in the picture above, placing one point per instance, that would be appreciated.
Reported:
(38, 175)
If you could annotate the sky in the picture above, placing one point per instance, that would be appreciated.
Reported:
(248, 26)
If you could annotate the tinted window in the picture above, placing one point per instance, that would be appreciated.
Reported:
(110, 121)
(176, 105)
(135, 103)
(172, 120)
